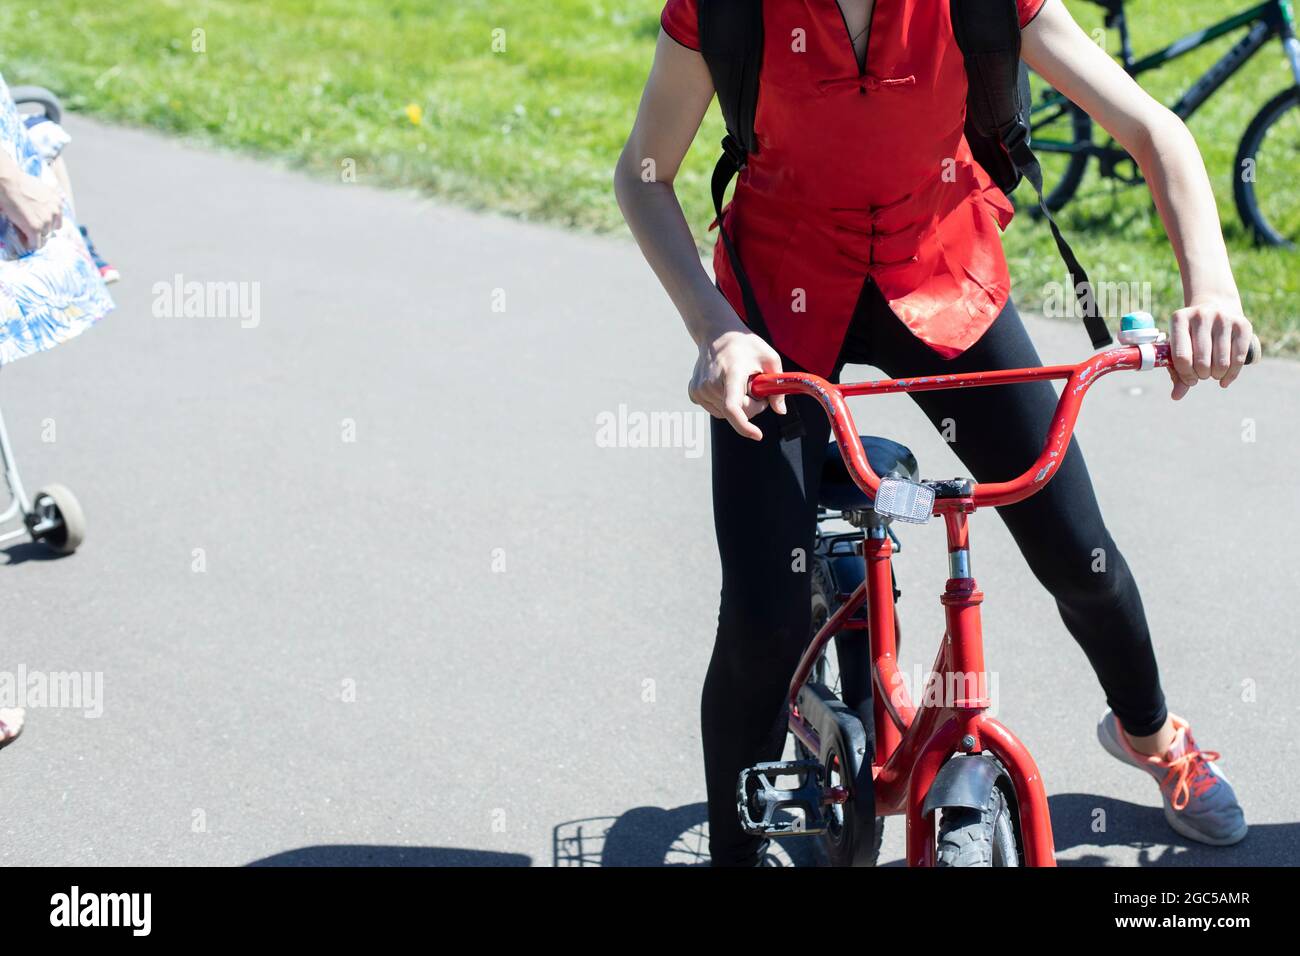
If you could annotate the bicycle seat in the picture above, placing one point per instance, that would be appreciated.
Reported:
(839, 493)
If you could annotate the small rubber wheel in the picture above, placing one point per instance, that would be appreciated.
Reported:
(57, 502)
(983, 837)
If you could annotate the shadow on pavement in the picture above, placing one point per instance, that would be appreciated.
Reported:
(651, 836)
(654, 836)
(354, 855)
(1075, 817)
(30, 551)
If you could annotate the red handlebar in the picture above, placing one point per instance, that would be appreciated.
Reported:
(1079, 379)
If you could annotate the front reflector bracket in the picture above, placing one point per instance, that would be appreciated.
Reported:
(904, 500)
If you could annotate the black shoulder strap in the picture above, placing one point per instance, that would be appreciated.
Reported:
(731, 42)
(997, 112)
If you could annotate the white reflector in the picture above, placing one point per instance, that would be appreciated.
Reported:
(904, 500)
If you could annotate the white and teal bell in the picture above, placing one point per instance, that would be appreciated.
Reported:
(1138, 328)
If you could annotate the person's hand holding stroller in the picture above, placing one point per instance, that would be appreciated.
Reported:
(35, 209)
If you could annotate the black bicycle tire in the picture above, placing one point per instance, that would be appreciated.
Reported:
(1243, 190)
(1077, 167)
(970, 837)
(823, 586)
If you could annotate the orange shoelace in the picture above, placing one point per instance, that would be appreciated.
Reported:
(1189, 775)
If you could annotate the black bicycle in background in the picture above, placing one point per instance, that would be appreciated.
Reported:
(1268, 158)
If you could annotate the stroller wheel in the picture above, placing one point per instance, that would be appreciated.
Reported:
(57, 520)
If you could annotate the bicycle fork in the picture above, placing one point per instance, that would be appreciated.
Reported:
(1290, 44)
(923, 775)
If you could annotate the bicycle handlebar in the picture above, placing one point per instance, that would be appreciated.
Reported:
(1079, 378)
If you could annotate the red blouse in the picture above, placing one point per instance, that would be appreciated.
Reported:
(862, 174)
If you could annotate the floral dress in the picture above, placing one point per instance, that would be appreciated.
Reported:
(54, 293)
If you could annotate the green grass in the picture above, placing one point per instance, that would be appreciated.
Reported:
(533, 130)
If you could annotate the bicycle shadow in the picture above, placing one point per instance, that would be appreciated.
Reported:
(400, 856)
(1088, 830)
(1085, 826)
(652, 836)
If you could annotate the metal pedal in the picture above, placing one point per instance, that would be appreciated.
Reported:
(809, 797)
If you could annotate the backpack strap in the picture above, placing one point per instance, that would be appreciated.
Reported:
(731, 42)
(997, 111)
(729, 164)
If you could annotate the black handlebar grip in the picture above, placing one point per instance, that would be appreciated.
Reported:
(1256, 351)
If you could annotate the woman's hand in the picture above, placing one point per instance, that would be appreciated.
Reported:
(1208, 339)
(34, 208)
(1211, 337)
(720, 383)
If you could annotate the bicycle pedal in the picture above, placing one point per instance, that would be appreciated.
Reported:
(767, 799)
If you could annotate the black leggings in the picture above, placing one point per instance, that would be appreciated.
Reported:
(764, 506)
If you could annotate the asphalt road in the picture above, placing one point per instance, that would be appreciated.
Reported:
(365, 583)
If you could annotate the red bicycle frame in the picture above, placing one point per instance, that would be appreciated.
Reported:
(913, 743)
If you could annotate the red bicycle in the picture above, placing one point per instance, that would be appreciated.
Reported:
(866, 751)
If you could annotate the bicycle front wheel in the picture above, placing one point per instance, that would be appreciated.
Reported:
(984, 836)
(1264, 185)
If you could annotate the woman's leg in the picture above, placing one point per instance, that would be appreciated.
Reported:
(998, 432)
(765, 515)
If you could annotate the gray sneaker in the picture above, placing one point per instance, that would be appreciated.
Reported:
(1199, 802)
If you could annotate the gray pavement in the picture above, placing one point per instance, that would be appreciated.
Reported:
(364, 585)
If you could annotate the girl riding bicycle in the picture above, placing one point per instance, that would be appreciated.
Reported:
(870, 235)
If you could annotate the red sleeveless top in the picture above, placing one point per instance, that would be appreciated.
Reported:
(862, 174)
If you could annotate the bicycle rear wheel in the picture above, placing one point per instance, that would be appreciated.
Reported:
(1263, 178)
(851, 839)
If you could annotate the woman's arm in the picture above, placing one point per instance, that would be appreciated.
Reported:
(676, 97)
(1210, 336)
